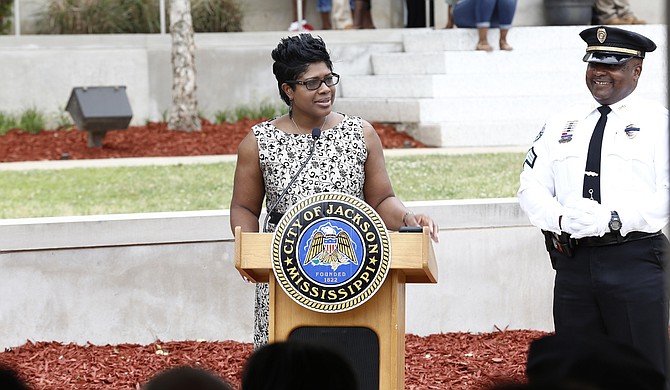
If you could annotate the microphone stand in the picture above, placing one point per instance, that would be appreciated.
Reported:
(316, 133)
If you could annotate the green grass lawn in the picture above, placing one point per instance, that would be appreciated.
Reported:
(90, 191)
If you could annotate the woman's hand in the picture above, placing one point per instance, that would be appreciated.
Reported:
(412, 219)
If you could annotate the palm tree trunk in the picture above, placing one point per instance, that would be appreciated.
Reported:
(184, 112)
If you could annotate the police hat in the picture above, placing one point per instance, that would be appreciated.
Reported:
(611, 45)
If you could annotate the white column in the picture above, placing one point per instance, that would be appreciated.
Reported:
(162, 13)
(17, 18)
(299, 12)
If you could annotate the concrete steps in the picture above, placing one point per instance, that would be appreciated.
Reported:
(448, 95)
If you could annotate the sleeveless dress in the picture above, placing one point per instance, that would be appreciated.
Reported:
(338, 164)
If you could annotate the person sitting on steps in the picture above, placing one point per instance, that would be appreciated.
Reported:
(613, 12)
(482, 15)
(363, 14)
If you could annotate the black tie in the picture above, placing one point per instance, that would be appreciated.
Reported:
(592, 171)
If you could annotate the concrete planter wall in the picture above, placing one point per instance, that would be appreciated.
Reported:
(170, 276)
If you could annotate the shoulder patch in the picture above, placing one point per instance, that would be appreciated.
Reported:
(530, 158)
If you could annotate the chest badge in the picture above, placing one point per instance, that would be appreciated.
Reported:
(632, 131)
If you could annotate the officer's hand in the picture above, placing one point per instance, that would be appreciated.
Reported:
(603, 216)
(582, 204)
(578, 223)
(587, 219)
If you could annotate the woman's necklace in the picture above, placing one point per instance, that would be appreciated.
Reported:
(298, 127)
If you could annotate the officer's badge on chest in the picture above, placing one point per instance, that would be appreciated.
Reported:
(566, 134)
(632, 130)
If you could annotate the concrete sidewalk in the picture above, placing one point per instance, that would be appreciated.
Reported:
(145, 161)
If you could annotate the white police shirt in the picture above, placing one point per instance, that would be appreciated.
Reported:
(634, 164)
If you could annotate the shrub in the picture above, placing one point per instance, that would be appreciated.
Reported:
(269, 110)
(99, 17)
(62, 119)
(266, 110)
(32, 121)
(7, 122)
(216, 16)
(6, 16)
(131, 16)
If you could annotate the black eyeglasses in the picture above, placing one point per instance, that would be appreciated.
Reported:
(313, 84)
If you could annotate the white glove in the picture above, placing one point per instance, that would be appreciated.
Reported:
(578, 223)
(582, 204)
(587, 219)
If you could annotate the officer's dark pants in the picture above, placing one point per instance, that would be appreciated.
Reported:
(618, 290)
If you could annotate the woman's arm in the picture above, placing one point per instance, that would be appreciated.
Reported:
(378, 191)
(248, 187)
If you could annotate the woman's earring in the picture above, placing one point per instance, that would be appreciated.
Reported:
(290, 109)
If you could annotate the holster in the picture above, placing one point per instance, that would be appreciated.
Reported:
(562, 243)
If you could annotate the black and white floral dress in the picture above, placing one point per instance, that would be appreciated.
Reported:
(338, 164)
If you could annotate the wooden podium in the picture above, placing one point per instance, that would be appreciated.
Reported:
(412, 261)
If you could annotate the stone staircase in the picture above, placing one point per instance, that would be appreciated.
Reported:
(446, 94)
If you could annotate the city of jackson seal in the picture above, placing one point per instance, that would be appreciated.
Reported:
(331, 252)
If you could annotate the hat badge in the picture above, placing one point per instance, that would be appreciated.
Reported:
(601, 34)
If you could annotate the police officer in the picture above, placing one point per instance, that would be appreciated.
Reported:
(597, 173)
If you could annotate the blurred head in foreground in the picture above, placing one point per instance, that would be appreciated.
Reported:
(297, 366)
(186, 378)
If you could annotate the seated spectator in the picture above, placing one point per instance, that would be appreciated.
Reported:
(363, 14)
(297, 366)
(416, 14)
(186, 378)
(450, 15)
(325, 7)
(614, 12)
(482, 15)
(340, 11)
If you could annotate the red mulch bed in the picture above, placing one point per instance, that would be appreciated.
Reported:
(441, 361)
(152, 140)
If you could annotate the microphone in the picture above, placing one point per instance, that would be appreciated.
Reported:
(274, 216)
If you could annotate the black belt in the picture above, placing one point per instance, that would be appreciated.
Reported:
(614, 238)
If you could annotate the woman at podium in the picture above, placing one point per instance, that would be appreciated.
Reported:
(310, 150)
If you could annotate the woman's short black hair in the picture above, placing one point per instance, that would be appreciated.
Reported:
(293, 55)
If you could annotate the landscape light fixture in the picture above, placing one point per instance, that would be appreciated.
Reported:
(98, 110)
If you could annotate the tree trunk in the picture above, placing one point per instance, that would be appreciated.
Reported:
(184, 112)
